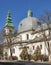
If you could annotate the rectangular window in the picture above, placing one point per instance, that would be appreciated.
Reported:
(33, 47)
(40, 46)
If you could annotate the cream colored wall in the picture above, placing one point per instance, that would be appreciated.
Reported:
(7, 30)
(23, 35)
(6, 50)
(17, 52)
(43, 50)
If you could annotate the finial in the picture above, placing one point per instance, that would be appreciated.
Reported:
(9, 13)
(30, 13)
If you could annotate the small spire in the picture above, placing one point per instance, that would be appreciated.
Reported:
(30, 13)
(9, 14)
(9, 20)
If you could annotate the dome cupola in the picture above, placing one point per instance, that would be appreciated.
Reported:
(28, 23)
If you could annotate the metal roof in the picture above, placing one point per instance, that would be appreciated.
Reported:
(27, 24)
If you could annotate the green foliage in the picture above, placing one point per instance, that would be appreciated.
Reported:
(24, 54)
(6, 54)
(37, 54)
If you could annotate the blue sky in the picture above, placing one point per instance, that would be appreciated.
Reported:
(19, 8)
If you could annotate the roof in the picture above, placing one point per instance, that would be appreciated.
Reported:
(9, 25)
(28, 23)
(9, 21)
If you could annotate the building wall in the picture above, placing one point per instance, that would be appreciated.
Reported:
(31, 37)
(24, 35)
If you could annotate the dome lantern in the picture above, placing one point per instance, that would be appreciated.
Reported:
(30, 13)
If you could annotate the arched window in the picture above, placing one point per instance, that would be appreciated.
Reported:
(33, 47)
(40, 46)
(21, 25)
(48, 44)
(27, 36)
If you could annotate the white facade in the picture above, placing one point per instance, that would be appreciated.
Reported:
(26, 38)
(31, 37)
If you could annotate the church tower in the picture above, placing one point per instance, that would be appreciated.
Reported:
(9, 27)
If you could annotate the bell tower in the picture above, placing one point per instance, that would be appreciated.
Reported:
(9, 27)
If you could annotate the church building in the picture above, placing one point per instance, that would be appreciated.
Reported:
(30, 34)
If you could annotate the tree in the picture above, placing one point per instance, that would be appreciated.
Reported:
(1, 43)
(9, 42)
(24, 54)
(1, 51)
(1, 37)
(37, 54)
(6, 55)
(46, 18)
